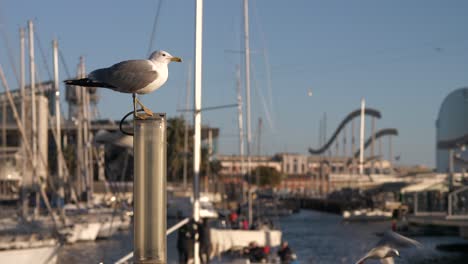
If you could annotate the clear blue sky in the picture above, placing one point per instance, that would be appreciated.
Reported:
(402, 56)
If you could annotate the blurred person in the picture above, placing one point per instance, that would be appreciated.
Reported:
(205, 244)
(285, 253)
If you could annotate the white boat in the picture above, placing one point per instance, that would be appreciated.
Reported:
(87, 231)
(93, 223)
(39, 255)
(182, 207)
(21, 249)
(112, 225)
(223, 240)
(366, 215)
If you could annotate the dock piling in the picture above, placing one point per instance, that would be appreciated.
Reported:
(150, 190)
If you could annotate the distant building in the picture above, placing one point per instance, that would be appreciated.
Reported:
(452, 129)
(301, 173)
(232, 164)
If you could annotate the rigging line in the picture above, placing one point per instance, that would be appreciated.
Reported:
(155, 24)
(10, 53)
(64, 63)
(44, 57)
(266, 58)
(259, 93)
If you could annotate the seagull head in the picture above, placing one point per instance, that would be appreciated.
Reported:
(393, 253)
(163, 57)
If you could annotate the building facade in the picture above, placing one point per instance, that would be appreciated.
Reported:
(452, 125)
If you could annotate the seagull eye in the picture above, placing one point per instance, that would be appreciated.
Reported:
(164, 55)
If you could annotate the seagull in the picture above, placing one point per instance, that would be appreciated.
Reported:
(132, 76)
(385, 250)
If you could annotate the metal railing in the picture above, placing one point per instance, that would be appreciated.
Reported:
(173, 228)
(429, 204)
(458, 204)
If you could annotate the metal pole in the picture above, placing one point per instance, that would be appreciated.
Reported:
(451, 152)
(86, 145)
(345, 167)
(24, 192)
(372, 146)
(325, 132)
(208, 168)
(149, 190)
(353, 148)
(187, 96)
(57, 123)
(79, 137)
(380, 156)
(390, 153)
(197, 122)
(361, 154)
(247, 90)
(415, 197)
(4, 121)
(344, 141)
(259, 145)
(32, 67)
(241, 127)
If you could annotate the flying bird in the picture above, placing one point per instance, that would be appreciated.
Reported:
(386, 248)
(132, 76)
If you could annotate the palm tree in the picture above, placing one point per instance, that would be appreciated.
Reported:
(175, 151)
(175, 147)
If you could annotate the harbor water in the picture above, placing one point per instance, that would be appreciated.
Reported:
(314, 236)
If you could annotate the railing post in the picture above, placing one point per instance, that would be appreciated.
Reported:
(149, 190)
(450, 204)
(415, 198)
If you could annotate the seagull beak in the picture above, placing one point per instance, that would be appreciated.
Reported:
(176, 59)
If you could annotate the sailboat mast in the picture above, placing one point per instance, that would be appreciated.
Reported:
(240, 121)
(197, 120)
(361, 137)
(23, 118)
(259, 146)
(79, 135)
(247, 90)
(32, 67)
(57, 121)
(187, 96)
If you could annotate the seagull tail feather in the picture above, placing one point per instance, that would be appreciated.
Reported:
(86, 82)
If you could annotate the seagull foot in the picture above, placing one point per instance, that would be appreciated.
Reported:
(147, 111)
(142, 116)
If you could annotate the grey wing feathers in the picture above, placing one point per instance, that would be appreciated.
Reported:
(396, 240)
(127, 76)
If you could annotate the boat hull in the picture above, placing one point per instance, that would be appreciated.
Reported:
(39, 255)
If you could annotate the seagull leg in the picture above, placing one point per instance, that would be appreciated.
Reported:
(135, 112)
(134, 105)
(147, 111)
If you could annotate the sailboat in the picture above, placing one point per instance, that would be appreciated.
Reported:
(237, 240)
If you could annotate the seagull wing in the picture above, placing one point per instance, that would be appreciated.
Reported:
(387, 261)
(361, 260)
(395, 240)
(126, 76)
(375, 253)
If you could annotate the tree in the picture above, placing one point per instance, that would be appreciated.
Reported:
(175, 152)
(268, 176)
(175, 147)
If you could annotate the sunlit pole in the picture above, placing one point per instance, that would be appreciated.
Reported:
(197, 122)
(361, 154)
